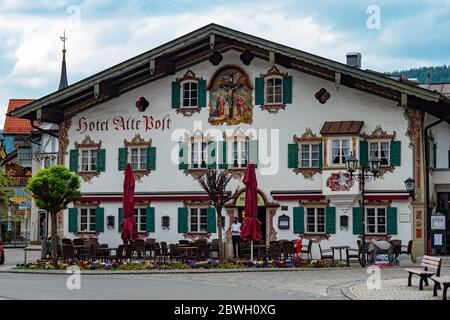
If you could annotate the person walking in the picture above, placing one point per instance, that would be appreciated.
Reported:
(236, 235)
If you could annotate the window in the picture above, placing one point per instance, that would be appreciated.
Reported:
(197, 218)
(190, 94)
(199, 154)
(380, 150)
(138, 158)
(375, 220)
(141, 219)
(340, 150)
(315, 220)
(87, 220)
(309, 155)
(24, 154)
(240, 153)
(88, 160)
(274, 90)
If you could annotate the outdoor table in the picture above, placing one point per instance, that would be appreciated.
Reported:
(187, 250)
(259, 247)
(340, 248)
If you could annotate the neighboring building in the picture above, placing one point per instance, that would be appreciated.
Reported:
(439, 167)
(219, 98)
(32, 149)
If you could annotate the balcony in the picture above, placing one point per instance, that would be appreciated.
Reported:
(440, 176)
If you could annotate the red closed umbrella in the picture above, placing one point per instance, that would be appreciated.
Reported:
(251, 230)
(128, 224)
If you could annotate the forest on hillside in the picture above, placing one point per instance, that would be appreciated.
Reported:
(439, 74)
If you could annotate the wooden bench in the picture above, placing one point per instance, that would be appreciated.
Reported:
(441, 282)
(430, 266)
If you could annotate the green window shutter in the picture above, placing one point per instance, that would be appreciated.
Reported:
(123, 158)
(396, 153)
(363, 153)
(120, 218)
(150, 219)
(73, 219)
(101, 160)
(212, 163)
(330, 222)
(357, 221)
(259, 91)
(211, 220)
(175, 94)
(73, 160)
(293, 155)
(202, 93)
(299, 220)
(223, 155)
(287, 89)
(151, 158)
(100, 219)
(182, 220)
(391, 220)
(183, 156)
(253, 152)
(320, 155)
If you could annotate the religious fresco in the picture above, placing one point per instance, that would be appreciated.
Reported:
(340, 182)
(230, 97)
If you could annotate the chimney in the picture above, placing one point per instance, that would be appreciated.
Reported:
(354, 59)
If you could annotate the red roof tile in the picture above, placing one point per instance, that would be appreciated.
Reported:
(17, 125)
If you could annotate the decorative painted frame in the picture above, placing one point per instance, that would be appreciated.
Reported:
(138, 142)
(193, 236)
(315, 237)
(88, 143)
(308, 137)
(237, 135)
(198, 136)
(86, 235)
(188, 76)
(273, 72)
(378, 134)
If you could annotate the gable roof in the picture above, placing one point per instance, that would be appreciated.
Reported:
(194, 47)
(13, 125)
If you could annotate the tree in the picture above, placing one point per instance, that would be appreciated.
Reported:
(53, 189)
(6, 183)
(215, 182)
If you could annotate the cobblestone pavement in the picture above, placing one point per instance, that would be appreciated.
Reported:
(393, 289)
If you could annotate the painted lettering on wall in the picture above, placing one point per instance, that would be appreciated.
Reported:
(121, 123)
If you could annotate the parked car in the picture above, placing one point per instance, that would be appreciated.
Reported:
(2, 254)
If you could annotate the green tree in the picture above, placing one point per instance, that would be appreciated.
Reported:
(53, 189)
(6, 184)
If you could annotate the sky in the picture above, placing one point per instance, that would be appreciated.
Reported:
(391, 35)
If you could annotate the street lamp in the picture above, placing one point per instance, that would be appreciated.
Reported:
(367, 173)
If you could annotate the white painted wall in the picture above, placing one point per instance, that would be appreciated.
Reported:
(306, 111)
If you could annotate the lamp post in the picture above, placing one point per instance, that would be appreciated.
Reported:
(367, 173)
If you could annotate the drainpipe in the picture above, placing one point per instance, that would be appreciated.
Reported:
(427, 179)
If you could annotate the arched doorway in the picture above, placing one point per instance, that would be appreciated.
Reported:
(262, 204)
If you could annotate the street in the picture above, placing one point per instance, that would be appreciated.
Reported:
(308, 284)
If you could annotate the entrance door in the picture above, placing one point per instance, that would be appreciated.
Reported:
(443, 207)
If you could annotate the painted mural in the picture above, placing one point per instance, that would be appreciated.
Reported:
(230, 97)
(340, 182)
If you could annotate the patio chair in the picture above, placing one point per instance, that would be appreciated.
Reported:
(326, 254)
(68, 253)
(288, 249)
(158, 253)
(140, 248)
(353, 254)
(66, 241)
(307, 249)
(183, 242)
(78, 242)
(396, 247)
(175, 253)
(129, 251)
(149, 246)
(245, 250)
(119, 256)
(275, 251)
(407, 249)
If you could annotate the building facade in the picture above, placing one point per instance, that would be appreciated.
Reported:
(220, 99)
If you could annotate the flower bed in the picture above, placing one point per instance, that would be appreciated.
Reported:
(174, 265)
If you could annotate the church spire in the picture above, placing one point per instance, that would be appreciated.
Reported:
(63, 80)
